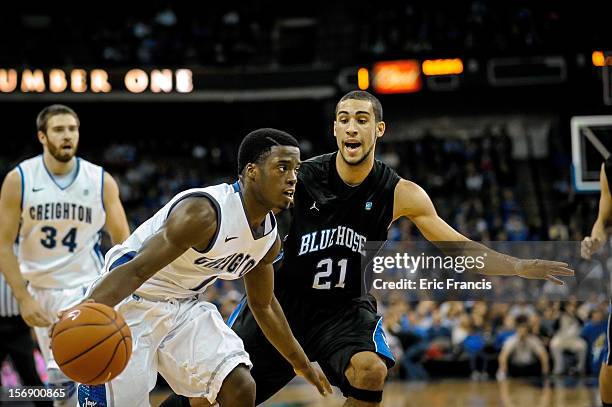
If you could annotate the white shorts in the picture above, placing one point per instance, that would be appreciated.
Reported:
(186, 341)
(53, 300)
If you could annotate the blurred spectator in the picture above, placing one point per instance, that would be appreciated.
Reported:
(523, 354)
(229, 302)
(595, 329)
(506, 331)
(567, 339)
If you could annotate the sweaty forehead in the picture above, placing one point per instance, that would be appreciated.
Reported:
(352, 106)
(61, 120)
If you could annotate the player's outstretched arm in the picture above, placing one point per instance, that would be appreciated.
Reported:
(259, 284)
(116, 221)
(591, 244)
(412, 201)
(192, 223)
(10, 207)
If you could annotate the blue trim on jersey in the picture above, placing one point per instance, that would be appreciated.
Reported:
(234, 315)
(98, 252)
(122, 260)
(380, 341)
(78, 164)
(236, 186)
(102, 191)
(279, 257)
(22, 185)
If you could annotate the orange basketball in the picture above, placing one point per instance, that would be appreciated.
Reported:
(92, 343)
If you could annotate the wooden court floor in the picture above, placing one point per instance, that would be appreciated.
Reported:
(454, 393)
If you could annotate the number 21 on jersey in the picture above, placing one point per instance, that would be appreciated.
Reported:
(327, 267)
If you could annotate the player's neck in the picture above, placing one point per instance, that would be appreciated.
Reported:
(354, 174)
(255, 212)
(57, 167)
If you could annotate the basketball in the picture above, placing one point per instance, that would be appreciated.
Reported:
(91, 343)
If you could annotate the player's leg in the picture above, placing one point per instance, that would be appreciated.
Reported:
(238, 389)
(52, 301)
(605, 384)
(203, 358)
(352, 351)
(605, 372)
(149, 324)
(270, 371)
(366, 371)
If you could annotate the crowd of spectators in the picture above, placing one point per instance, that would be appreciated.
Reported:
(479, 189)
(486, 340)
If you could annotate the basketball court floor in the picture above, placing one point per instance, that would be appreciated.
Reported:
(563, 392)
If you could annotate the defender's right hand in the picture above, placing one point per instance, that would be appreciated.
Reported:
(32, 313)
(590, 246)
(316, 377)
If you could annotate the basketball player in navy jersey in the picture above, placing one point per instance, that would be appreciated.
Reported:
(342, 200)
(203, 234)
(590, 245)
(55, 206)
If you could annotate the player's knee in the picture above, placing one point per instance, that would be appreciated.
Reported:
(371, 377)
(244, 391)
(238, 386)
(368, 371)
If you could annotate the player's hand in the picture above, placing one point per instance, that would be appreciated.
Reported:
(543, 270)
(61, 313)
(589, 246)
(32, 313)
(316, 377)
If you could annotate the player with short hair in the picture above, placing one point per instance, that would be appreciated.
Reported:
(590, 245)
(55, 206)
(343, 200)
(201, 235)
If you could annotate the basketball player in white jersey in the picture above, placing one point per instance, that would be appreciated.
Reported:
(157, 275)
(55, 205)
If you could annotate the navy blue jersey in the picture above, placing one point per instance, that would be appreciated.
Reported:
(330, 225)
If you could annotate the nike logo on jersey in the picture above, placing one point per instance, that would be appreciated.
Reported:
(37, 189)
(227, 238)
(339, 236)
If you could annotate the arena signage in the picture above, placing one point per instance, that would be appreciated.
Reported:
(95, 81)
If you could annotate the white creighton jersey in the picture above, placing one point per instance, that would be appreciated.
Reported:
(59, 236)
(232, 252)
